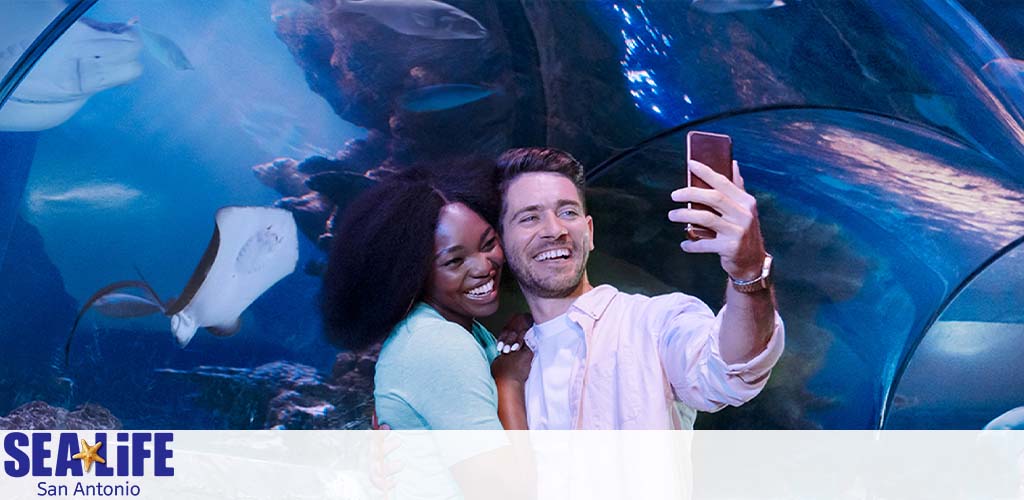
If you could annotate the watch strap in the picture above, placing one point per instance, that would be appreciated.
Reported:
(762, 282)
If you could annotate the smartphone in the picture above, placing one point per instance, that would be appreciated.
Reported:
(715, 151)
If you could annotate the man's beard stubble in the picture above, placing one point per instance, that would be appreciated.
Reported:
(549, 287)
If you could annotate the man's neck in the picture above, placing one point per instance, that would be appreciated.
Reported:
(546, 309)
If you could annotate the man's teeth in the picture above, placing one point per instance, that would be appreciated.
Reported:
(552, 254)
(482, 289)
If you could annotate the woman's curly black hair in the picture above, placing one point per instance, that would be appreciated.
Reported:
(382, 250)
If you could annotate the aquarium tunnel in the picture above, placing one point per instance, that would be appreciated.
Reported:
(883, 140)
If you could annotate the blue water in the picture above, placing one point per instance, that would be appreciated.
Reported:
(180, 139)
(900, 201)
(135, 177)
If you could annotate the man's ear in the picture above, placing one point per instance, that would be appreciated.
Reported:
(590, 227)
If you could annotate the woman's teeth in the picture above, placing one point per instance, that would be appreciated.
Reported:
(482, 289)
(552, 254)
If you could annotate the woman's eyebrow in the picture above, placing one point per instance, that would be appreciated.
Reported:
(451, 249)
(486, 234)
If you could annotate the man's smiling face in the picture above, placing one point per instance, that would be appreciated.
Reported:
(546, 234)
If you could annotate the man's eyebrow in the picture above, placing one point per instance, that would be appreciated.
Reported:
(451, 249)
(563, 203)
(531, 208)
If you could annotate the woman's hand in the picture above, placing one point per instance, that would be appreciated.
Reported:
(511, 337)
(510, 372)
(513, 367)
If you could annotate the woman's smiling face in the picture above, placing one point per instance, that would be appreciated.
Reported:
(466, 268)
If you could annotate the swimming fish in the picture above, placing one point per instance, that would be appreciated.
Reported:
(92, 195)
(727, 6)
(444, 96)
(422, 18)
(85, 60)
(251, 249)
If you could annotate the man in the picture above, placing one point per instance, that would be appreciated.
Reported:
(604, 359)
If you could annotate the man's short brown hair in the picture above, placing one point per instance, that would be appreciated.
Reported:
(517, 161)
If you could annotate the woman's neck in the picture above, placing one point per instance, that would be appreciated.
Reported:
(459, 319)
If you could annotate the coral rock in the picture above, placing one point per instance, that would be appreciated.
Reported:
(283, 176)
(38, 415)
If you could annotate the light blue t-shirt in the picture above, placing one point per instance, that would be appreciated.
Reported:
(433, 374)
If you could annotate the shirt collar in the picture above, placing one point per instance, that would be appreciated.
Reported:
(595, 302)
(591, 305)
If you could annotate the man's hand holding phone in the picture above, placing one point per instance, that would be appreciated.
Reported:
(737, 232)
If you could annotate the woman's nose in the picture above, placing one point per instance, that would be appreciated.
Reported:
(483, 267)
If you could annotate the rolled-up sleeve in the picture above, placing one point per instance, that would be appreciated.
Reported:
(687, 334)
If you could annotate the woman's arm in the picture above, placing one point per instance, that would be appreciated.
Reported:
(510, 370)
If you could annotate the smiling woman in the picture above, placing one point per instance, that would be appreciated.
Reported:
(392, 251)
(415, 261)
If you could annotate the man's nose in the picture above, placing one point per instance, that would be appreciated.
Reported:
(552, 227)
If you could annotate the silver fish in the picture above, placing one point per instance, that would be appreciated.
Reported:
(727, 6)
(422, 18)
(91, 195)
(444, 96)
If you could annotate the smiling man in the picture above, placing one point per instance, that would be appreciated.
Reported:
(604, 359)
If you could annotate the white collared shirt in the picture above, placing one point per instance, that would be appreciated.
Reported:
(642, 356)
(556, 344)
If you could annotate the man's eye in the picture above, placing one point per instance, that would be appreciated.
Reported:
(569, 212)
(528, 218)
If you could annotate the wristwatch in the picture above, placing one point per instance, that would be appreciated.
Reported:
(759, 283)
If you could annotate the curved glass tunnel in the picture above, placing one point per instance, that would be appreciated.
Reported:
(883, 141)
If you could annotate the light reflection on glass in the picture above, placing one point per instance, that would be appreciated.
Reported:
(970, 338)
(933, 190)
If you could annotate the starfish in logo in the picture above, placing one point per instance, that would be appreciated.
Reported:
(89, 455)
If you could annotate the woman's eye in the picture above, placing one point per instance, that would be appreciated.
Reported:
(491, 243)
(453, 262)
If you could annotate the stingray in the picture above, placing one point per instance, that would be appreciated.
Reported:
(251, 249)
(89, 58)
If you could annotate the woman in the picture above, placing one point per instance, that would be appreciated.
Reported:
(415, 260)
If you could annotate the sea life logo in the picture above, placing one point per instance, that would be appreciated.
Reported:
(67, 454)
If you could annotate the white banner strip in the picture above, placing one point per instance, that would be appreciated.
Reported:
(495, 465)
